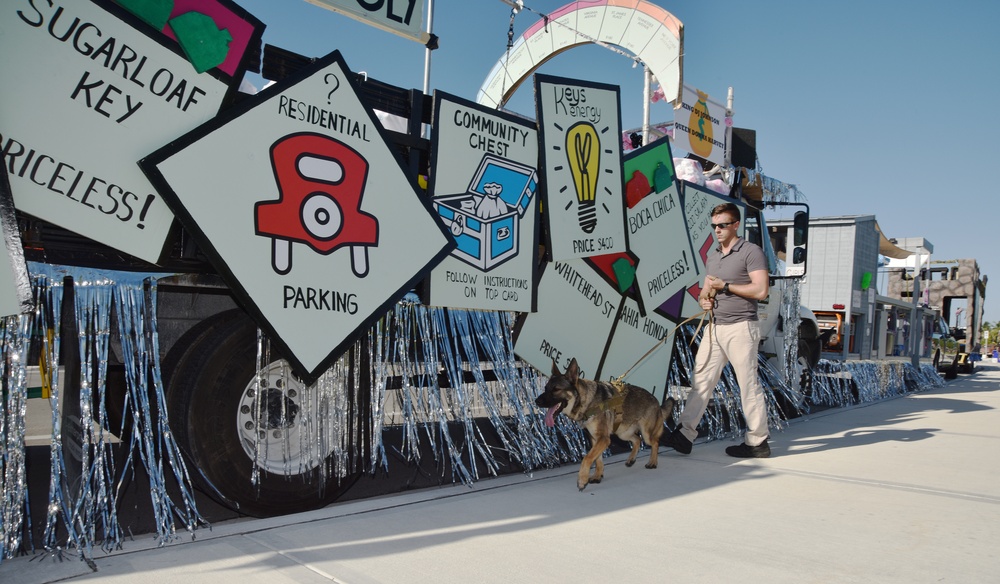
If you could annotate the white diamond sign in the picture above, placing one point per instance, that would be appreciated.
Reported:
(305, 209)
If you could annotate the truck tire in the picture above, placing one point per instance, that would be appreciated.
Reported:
(807, 359)
(211, 383)
(188, 347)
(182, 347)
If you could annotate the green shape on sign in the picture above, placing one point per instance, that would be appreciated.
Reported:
(204, 44)
(153, 12)
(649, 161)
(624, 273)
(663, 177)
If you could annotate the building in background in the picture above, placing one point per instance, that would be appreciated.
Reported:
(859, 283)
(955, 288)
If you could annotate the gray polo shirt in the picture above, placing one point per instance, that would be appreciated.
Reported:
(735, 268)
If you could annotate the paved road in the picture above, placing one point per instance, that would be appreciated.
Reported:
(904, 490)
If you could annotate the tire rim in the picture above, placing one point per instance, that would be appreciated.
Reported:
(279, 439)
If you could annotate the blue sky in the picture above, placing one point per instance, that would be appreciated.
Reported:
(884, 108)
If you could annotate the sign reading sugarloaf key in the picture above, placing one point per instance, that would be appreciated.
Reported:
(582, 156)
(484, 184)
(305, 209)
(88, 89)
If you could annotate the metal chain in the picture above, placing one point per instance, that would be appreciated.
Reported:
(510, 45)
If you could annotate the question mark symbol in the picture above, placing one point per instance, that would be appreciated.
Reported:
(336, 84)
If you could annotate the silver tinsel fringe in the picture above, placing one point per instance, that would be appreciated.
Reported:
(13, 477)
(840, 384)
(416, 348)
(84, 485)
(444, 378)
(790, 313)
(319, 434)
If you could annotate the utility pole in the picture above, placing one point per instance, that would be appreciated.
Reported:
(647, 95)
(431, 45)
(915, 321)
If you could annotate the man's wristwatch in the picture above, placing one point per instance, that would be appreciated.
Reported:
(725, 289)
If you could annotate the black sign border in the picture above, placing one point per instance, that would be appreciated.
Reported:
(540, 79)
(426, 289)
(15, 250)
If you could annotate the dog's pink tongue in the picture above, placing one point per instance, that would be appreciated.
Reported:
(550, 416)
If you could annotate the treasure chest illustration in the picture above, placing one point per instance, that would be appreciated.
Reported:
(485, 220)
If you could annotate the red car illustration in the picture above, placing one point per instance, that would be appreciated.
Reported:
(320, 183)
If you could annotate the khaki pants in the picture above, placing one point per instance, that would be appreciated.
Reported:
(721, 344)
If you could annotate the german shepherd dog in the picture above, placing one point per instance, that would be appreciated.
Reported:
(601, 409)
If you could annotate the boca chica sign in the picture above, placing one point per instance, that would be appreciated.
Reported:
(305, 210)
(86, 93)
(657, 226)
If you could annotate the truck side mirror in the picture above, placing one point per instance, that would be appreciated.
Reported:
(800, 239)
(793, 237)
(800, 228)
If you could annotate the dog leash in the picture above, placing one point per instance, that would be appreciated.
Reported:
(615, 402)
(618, 383)
(701, 316)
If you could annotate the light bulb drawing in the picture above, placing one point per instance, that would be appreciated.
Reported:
(584, 155)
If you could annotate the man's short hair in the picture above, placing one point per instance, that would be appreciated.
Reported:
(730, 208)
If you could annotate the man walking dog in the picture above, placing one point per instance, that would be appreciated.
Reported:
(737, 279)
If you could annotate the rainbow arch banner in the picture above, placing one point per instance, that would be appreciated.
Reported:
(643, 29)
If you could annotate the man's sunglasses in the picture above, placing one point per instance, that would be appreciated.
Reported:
(722, 225)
